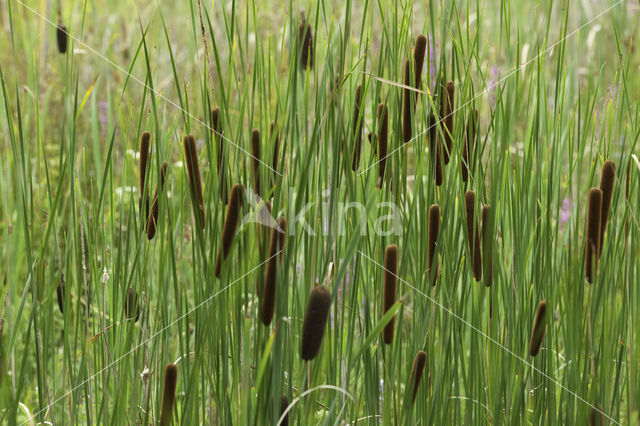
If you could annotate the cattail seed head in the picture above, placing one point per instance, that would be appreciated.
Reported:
(131, 306)
(416, 373)
(193, 169)
(255, 157)
(63, 38)
(469, 144)
(168, 394)
(594, 210)
(230, 225)
(145, 141)
(305, 38)
(448, 121)
(487, 245)
(152, 221)
(358, 121)
(434, 230)
(275, 136)
(216, 124)
(606, 186)
(419, 52)
(537, 333)
(473, 235)
(315, 322)
(284, 403)
(389, 289)
(407, 116)
(276, 244)
(383, 140)
(60, 290)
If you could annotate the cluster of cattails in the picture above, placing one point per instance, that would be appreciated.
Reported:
(216, 123)
(315, 322)
(230, 224)
(432, 240)
(195, 182)
(416, 374)
(276, 250)
(390, 284)
(382, 141)
(131, 305)
(168, 394)
(358, 121)
(152, 221)
(62, 37)
(537, 333)
(305, 40)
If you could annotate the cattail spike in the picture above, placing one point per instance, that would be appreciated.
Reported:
(593, 233)
(275, 136)
(487, 245)
(193, 169)
(168, 394)
(62, 37)
(469, 144)
(389, 289)
(407, 116)
(419, 52)
(145, 140)
(255, 155)
(383, 140)
(131, 306)
(305, 37)
(416, 373)
(276, 244)
(358, 120)
(448, 121)
(60, 293)
(606, 186)
(315, 322)
(538, 329)
(230, 225)
(434, 230)
(216, 123)
(473, 235)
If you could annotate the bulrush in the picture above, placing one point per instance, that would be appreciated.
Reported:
(448, 121)
(315, 321)
(274, 134)
(473, 235)
(469, 144)
(358, 121)
(389, 289)
(383, 140)
(538, 329)
(144, 161)
(168, 394)
(594, 209)
(487, 245)
(284, 403)
(216, 123)
(436, 149)
(230, 225)
(60, 293)
(419, 51)
(416, 374)
(193, 169)
(255, 160)
(606, 186)
(305, 38)
(62, 37)
(434, 230)
(131, 306)
(407, 117)
(152, 221)
(276, 244)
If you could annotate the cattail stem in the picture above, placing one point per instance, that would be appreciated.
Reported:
(537, 333)
(594, 210)
(407, 116)
(305, 38)
(276, 244)
(315, 322)
(419, 52)
(448, 120)
(416, 374)
(487, 245)
(434, 230)
(230, 225)
(168, 394)
(469, 144)
(383, 140)
(358, 120)
(193, 169)
(606, 186)
(389, 289)
(255, 163)
(473, 235)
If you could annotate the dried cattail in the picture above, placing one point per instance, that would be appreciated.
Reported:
(268, 306)
(434, 230)
(473, 235)
(383, 139)
(315, 321)
(389, 289)
(416, 373)
(606, 186)
(60, 290)
(407, 116)
(152, 221)
(419, 52)
(436, 149)
(275, 136)
(469, 144)
(448, 121)
(144, 161)
(594, 209)
(168, 394)
(538, 329)
(63, 37)
(255, 163)
(193, 169)
(487, 245)
(131, 306)
(357, 123)
(216, 123)
(305, 37)
(230, 225)
(284, 403)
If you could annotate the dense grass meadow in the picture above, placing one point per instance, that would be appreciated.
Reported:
(319, 212)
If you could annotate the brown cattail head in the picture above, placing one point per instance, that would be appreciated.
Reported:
(63, 38)
(315, 321)
(487, 245)
(168, 394)
(216, 123)
(275, 136)
(255, 160)
(230, 225)
(131, 306)
(358, 120)
(473, 234)
(594, 209)
(284, 403)
(606, 186)
(145, 140)
(60, 293)
(416, 373)
(407, 116)
(193, 169)
(434, 230)
(436, 148)
(419, 52)
(538, 329)
(389, 289)
(448, 120)
(152, 221)
(383, 140)
(276, 244)
(469, 144)
(305, 38)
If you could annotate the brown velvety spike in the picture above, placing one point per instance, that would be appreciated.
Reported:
(230, 224)
(407, 116)
(416, 373)
(436, 149)
(60, 293)
(473, 234)
(606, 186)
(469, 144)
(284, 403)
(131, 306)
(594, 209)
(383, 141)
(276, 244)
(193, 169)
(315, 322)
(434, 229)
(152, 221)
(537, 333)
(358, 121)
(389, 289)
(487, 245)
(145, 141)
(255, 160)
(216, 123)
(62, 37)
(305, 38)
(168, 394)
(448, 121)
(274, 134)
(419, 52)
